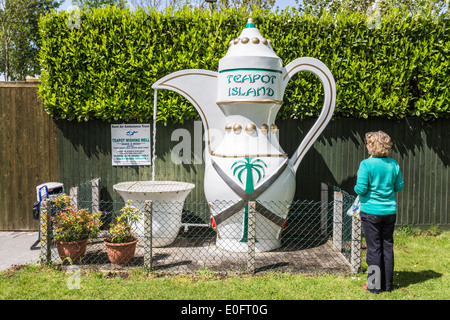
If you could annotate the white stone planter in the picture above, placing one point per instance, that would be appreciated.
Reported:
(168, 200)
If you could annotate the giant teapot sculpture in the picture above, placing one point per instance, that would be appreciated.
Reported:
(244, 161)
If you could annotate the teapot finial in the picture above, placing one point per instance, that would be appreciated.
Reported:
(250, 23)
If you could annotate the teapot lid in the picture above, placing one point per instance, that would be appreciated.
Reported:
(251, 43)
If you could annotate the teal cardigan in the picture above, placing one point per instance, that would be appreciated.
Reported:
(377, 181)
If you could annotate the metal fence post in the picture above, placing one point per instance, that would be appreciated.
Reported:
(251, 237)
(45, 231)
(323, 208)
(337, 221)
(148, 231)
(355, 258)
(96, 195)
(74, 197)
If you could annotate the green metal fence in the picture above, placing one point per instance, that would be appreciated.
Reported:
(312, 237)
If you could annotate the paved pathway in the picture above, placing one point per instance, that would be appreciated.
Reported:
(15, 248)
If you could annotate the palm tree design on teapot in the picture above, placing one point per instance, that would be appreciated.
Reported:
(238, 107)
(248, 165)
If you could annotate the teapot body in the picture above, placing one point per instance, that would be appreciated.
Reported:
(244, 165)
(249, 165)
(275, 201)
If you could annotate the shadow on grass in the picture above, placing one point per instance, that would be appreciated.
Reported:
(406, 278)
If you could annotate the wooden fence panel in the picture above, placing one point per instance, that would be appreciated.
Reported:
(85, 152)
(29, 154)
(421, 148)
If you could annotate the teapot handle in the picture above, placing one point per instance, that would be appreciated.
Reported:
(323, 73)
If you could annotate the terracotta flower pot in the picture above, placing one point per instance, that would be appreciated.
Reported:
(120, 253)
(74, 250)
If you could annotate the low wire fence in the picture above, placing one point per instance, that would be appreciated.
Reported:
(183, 237)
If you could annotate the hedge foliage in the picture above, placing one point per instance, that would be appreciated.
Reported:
(105, 69)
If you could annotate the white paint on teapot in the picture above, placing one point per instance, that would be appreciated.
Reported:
(250, 71)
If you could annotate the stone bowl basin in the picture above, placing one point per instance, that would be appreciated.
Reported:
(167, 203)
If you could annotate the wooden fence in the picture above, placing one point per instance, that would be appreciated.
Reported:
(35, 149)
(28, 153)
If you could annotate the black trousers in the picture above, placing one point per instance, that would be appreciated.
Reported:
(379, 234)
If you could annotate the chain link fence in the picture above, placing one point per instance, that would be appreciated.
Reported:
(183, 237)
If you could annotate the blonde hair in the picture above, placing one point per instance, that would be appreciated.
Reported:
(379, 142)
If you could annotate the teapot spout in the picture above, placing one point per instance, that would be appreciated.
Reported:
(200, 88)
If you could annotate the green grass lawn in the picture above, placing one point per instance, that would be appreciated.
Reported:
(421, 272)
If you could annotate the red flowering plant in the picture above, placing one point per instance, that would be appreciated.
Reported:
(70, 224)
(120, 231)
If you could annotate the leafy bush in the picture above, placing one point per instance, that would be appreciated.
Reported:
(105, 69)
(70, 224)
(120, 232)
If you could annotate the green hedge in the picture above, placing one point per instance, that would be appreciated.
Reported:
(105, 69)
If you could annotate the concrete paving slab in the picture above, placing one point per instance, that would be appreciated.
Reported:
(16, 248)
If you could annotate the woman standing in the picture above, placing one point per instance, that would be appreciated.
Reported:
(378, 179)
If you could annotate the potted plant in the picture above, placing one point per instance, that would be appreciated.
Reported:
(72, 228)
(120, 241)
